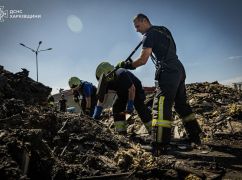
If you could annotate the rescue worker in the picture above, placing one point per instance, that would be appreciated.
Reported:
(62, 103)
(130, 95)
(159, 44)
(88, 92)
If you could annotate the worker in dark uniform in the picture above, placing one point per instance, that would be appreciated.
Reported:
(130, 95)
(88, 92)
(170, 77)
(62, 103)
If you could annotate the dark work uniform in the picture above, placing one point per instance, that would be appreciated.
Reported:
(62, 105)
(170, 75)
(121, 83)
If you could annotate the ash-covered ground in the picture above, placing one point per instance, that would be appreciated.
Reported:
(38, 142)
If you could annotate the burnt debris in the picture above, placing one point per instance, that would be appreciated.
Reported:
(39, 142)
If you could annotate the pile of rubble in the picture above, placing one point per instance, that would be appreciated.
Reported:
(218, 108)
(20, 86)
(37, 142)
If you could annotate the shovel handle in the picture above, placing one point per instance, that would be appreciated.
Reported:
(132, 53)
(128, 59)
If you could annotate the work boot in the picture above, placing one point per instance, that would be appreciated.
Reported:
(193, 131)
(159, 148)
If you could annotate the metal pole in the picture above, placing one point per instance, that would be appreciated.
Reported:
(36, 55)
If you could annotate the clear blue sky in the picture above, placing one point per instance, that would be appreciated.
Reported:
(82, 33)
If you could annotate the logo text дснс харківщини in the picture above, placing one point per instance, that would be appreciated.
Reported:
(16, 14)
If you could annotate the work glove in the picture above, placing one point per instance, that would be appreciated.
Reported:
(130, 106)
(125, 65)
(97, 112)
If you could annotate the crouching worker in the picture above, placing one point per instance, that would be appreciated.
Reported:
(88, 92)
(130, 95)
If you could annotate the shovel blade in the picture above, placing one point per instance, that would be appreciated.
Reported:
(127, 116)
(102, 86)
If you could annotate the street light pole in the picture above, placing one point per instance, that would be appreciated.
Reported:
(36, 55)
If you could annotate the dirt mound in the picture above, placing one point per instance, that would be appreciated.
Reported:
(217, 107)
(37, 142)
(20, 86)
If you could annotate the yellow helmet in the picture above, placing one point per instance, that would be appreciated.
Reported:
(104, 67)
(74, 82)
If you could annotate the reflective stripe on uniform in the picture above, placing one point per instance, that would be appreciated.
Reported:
(161, 108)
(120, 126)
(161, 123)
(190, 117)
(158, 122)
